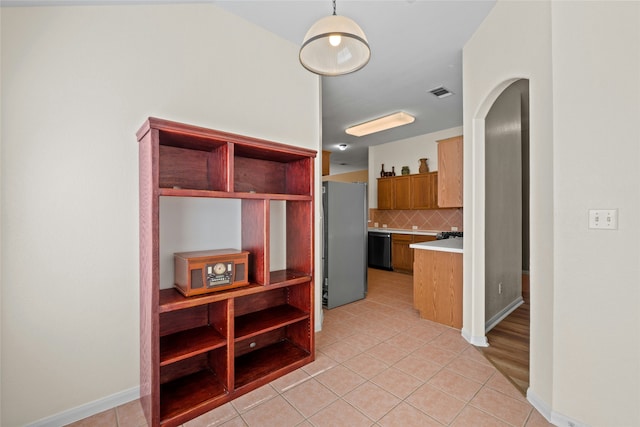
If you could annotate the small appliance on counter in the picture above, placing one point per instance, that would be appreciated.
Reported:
(447, 234)
(201, 272)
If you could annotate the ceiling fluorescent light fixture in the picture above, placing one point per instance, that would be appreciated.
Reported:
(383, 123)
(334, 46)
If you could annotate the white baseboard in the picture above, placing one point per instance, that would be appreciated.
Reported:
(550, 415)
(560, 420)
(540, 405)
(502, 314)
(88, 409)
(478, 341)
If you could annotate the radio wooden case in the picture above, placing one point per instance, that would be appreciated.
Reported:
(201, 272)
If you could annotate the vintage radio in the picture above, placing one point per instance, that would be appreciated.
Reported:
(201, 272)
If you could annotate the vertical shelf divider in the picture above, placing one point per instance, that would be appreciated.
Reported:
(255, 238)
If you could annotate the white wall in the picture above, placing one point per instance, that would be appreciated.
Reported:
(77, 83)
(513, 42)
(585, 322)
(596, 107)
(405, 152)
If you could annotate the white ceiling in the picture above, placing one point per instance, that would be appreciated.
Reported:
(416, 46)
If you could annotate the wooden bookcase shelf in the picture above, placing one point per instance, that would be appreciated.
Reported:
(183, 345)
(197, 353)
(271, 361)
(195, 390)
(262, 321)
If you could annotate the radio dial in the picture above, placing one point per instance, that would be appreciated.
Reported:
(219, 268)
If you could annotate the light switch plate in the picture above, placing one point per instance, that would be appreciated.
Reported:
(603, 219)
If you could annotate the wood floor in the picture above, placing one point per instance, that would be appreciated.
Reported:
(509, 343)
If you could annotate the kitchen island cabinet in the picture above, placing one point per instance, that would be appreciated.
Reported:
(437, 281)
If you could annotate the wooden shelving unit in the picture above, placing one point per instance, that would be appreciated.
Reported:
(199, 352)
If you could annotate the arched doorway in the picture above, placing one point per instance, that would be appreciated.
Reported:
(506, 243)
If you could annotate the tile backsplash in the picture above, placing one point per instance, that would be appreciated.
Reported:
(432, 219)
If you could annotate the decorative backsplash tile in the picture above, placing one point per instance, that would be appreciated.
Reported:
(432, 219)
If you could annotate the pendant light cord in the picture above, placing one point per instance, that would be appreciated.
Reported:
(334, 7)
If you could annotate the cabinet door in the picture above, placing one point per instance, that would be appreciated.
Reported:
(326, 156)
(385, 193)
(402, 188)
(450, 171)
(437, 287)
(418, 238)
(401, 256)
(424, 191)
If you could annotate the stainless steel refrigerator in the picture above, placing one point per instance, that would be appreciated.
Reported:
(344, 220)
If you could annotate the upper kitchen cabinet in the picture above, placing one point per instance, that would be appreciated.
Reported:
(386, 193)
(450, 172)
(419, 191)
(424, 191)
(326, 157)
(402, 190)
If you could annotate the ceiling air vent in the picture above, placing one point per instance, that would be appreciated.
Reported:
(441, 92)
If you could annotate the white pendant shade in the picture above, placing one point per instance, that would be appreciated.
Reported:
(333, 46)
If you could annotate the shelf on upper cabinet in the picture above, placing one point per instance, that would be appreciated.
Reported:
(199, 159)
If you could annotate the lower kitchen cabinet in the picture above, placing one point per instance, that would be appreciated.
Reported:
(401, 253)
(437, 286)
(401, 258)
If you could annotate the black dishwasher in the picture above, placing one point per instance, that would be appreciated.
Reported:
(379, 250)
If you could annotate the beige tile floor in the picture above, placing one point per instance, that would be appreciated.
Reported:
(377, 364)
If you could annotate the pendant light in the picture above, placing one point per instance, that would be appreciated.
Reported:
(334, 45)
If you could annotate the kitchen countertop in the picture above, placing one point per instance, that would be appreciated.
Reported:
(404, 231)
(452, 244)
